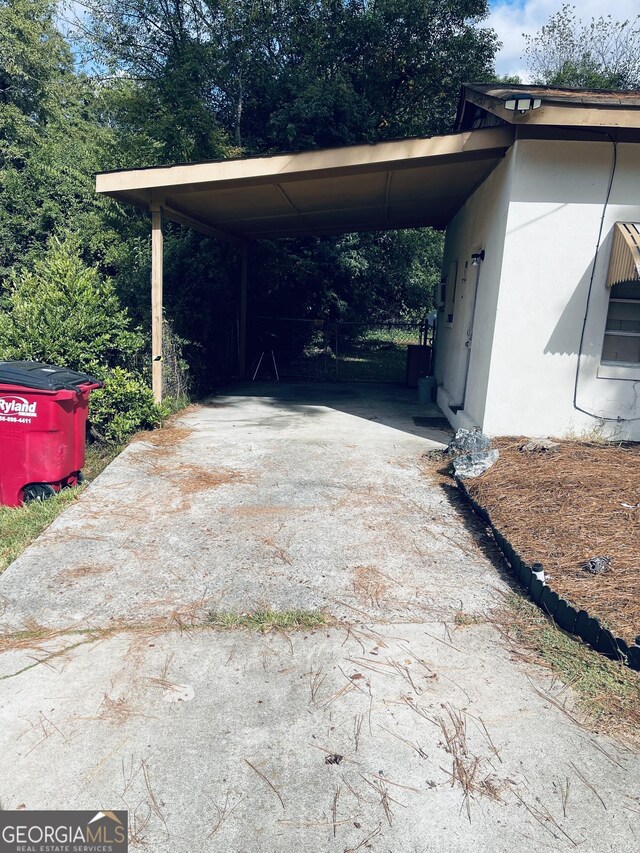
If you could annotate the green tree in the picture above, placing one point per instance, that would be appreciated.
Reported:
(289, 74)
(52, 136)
(377, 276)
(61, 311)
(155, 59)
(598, 54)
(33, 59)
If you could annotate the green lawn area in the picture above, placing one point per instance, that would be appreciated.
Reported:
(374, 355)
(19, 526)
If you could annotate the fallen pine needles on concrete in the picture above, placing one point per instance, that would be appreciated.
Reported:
(166, 436)
(267, 780)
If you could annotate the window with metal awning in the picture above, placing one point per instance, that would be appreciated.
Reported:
(622, 332)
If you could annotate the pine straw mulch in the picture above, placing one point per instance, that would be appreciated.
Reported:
(562, 507)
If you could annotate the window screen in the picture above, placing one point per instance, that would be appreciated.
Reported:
(622, 332)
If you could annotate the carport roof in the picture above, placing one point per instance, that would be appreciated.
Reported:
(397, 184)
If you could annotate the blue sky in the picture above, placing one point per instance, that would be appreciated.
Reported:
(512, 18)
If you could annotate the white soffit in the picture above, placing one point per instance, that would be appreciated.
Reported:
(400, 184)
(624, 262)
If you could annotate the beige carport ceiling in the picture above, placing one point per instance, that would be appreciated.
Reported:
(404, 183)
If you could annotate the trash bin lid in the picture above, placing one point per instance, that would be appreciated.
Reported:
(44, 377)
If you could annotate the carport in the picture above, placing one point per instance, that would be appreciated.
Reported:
(407, 183)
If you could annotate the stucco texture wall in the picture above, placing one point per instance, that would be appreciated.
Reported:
(557, 195)
(480, 224)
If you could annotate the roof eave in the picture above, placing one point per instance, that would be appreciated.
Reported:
(552, 113)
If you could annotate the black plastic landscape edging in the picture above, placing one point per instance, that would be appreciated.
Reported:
(567, 617)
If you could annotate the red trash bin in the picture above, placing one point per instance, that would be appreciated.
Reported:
(43, 418)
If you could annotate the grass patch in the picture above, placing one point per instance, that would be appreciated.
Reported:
(464, 620)
(266, 620)
(607, 693)
(375, 354)
(374, 357)
(20, 525)
(98, 457)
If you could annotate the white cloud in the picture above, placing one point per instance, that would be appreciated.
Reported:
(511, 19)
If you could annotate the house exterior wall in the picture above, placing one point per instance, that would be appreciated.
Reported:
(480, 224)
(537, 216)
(557, 196)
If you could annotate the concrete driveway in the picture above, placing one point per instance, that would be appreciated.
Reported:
(403, 726)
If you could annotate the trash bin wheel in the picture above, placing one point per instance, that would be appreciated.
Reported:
(73, 480)
(38, 492)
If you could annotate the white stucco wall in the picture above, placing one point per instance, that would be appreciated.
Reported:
(557, 194)
(480, 224)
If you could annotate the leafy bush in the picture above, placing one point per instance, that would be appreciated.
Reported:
(125, 404)
(61, 311)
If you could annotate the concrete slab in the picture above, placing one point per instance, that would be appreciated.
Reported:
(228, 741)
(354, 737)
(274, 499)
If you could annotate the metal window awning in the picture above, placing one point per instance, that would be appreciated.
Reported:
(400, 184)
(624, 261)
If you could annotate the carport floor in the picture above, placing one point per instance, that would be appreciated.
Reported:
(355, 736)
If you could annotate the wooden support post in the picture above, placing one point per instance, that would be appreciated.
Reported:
(156, 301)
(242, 338)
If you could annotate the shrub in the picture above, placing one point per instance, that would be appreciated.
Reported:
(62, 311)
(123, 406)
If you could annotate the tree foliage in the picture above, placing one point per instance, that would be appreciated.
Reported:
(289, 74)
(122, 406)
(52, 135)
(368, 277)
(598, 54)
(33, 59)
(61, 311)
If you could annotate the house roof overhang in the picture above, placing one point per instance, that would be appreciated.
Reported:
(560, 108)
(398, 184)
